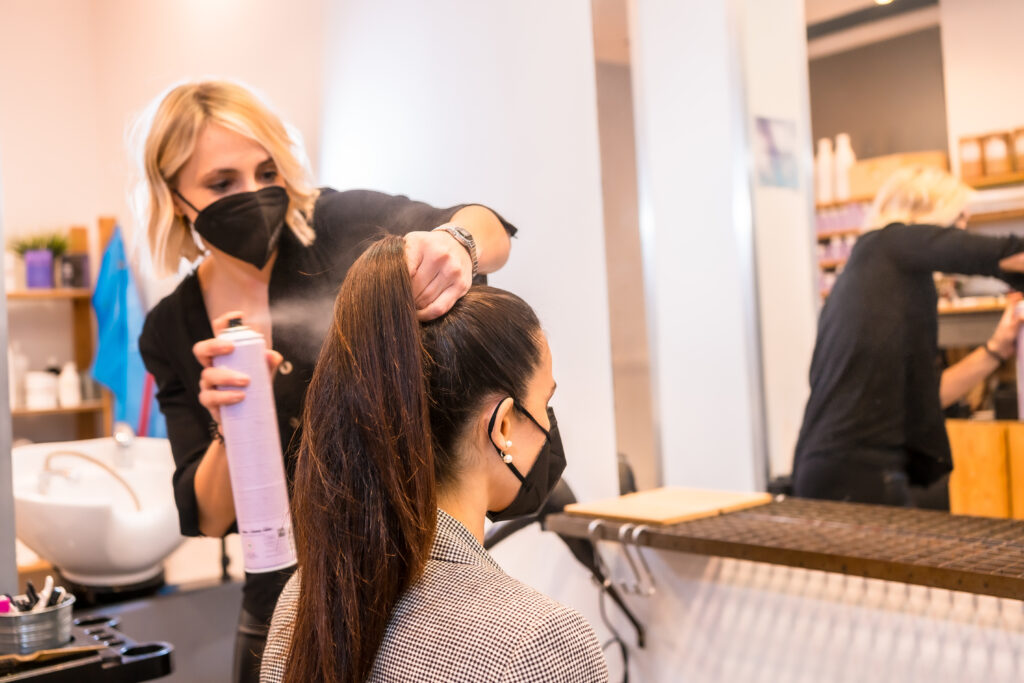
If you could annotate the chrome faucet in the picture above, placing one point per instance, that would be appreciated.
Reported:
(124, 436)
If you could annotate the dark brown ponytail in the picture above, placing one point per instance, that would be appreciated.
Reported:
(388, 405)
(364, 497)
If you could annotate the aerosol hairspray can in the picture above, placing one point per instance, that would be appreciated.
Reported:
(255, 462)
(1020, 365)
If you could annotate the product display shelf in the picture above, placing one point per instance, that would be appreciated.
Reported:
(843, 202)
(93, 406)
(94, 418)
(1015, 178)
(830, 264)
(54, 293)
(995, 216)
(845, 232)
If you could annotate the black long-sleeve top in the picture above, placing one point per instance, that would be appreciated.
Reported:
(874, 376)
(303, 285)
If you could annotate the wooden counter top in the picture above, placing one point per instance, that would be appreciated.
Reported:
(923, 547)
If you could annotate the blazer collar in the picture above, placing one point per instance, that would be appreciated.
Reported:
(454, 543)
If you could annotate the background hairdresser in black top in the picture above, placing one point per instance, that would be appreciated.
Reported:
(873, 424)
(225, 181)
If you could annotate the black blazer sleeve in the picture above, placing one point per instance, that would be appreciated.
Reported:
(187, 420)
(951, 250)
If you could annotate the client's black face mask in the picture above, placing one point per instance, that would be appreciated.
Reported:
(246, 225)
(547, 469)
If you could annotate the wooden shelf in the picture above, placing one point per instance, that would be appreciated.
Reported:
(994, 216)
(997, 180)
(57, 293)
(845, 232)
(829, 264)
(844, 202)
(974, 308)
(94, 406)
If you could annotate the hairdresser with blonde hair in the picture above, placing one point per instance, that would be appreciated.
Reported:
(873, 426)
(225, 182)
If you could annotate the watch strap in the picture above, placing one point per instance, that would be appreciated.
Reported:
(465, 238)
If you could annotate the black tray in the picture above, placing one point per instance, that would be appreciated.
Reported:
(122, 660)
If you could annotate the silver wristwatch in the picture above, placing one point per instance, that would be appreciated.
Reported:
(465, 238)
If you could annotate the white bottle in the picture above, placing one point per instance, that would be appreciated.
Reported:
(40, 390)
(824, 173)
(844, 160)
(69, 389)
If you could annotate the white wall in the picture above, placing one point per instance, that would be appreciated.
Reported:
(85, 69)
(695, 221)
(458, 100)
(775, 69)
(983, 65)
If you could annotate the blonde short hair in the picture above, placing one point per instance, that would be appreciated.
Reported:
(919, 194)
(170, 140)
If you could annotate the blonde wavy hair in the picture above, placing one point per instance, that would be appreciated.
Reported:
(918, 194)
(171, 129)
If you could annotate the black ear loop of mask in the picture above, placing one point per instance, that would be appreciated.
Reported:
(490, 434)
(190, 205)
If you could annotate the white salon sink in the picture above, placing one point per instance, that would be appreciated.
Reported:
(82, 517)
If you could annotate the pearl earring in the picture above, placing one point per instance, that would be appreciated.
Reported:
(506, 458)
(508, 444)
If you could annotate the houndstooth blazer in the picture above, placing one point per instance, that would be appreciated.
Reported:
(464, 620)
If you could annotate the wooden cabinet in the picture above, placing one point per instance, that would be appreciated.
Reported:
(988, 468)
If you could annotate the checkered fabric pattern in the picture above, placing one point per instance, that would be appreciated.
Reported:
(463, 621)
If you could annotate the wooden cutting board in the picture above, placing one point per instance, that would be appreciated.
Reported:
(668, 505)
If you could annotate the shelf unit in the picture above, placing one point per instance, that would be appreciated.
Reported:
(1015, 178)
(93, 418)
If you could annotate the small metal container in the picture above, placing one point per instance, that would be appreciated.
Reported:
(24, 632)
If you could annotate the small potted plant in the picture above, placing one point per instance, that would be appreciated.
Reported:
(39, 252)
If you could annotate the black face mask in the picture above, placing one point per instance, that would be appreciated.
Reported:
(246, 225)
(547, 469)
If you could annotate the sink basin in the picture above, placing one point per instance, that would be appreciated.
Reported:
(102, 513)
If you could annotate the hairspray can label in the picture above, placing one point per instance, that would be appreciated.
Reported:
(255, 462)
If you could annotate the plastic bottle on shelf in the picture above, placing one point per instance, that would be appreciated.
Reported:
(69, 387)
(40, 390)
(824, 174)
(843, 162)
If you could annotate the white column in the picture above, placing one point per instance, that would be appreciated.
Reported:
(459, 100)
(774, 50)
(8, 564)
(695, 222)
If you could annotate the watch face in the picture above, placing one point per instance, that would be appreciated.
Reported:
(465, 234)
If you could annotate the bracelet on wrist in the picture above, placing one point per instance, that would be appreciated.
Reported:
(215, 433)
(995, 356)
